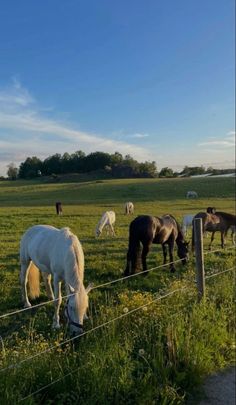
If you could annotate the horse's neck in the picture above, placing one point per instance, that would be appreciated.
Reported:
(102, 223)
(180, 237)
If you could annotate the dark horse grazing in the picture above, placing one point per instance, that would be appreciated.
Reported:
(147, 230)
(216, 222)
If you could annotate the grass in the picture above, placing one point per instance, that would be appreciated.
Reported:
(155, 355)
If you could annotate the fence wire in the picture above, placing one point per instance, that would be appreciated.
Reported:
(93, 288)
(220, 272)
(15, 365)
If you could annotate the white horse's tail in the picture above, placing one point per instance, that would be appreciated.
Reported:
(33, 281)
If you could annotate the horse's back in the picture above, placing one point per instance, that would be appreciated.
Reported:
(50, 248)
(111, 216)
(144, 227)
(227, 217)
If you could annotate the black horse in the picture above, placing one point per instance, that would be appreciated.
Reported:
(147, 230)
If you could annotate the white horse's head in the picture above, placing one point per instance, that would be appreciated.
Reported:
(97, 232)
(76, 308)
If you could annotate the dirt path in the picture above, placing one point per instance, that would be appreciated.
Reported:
(220, 389)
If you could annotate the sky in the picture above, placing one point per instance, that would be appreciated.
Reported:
(154, 79)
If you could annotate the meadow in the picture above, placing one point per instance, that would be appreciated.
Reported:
(159, 354)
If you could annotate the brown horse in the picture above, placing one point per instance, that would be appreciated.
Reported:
(217, 222)
(146, 230)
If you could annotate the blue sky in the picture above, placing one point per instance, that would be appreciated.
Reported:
(154, 79)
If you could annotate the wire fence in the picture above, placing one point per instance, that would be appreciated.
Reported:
(51, 348)
(219, 250)
(93, 288)
(71, 372)
(105, 284)
(15, 365)
(220, 272)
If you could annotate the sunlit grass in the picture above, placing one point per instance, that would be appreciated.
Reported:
(156, 355)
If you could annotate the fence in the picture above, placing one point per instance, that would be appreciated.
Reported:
(200, 283)
(199, 254)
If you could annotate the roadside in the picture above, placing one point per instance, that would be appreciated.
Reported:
(220, 389)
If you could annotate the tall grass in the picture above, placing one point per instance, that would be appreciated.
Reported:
(159, 354)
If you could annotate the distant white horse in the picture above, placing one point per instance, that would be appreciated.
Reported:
(108, 220)
(58, 253)
(129, 208)
(191, 194)
(187, 223)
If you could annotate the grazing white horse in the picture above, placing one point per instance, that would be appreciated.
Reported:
(129, 208)
(187, 223)
(108, 220)
(191, 194)
(58, 253)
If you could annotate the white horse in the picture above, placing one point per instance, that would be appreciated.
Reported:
(108, 219)
(58, 253)
(129, 208)
(191, 194)
(187, 223)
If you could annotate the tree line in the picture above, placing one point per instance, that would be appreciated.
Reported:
(113, 165)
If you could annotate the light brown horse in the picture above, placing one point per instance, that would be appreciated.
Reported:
(217, 222)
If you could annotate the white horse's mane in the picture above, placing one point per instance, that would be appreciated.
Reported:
(75, 259)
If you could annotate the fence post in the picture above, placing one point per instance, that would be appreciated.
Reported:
(198, 243)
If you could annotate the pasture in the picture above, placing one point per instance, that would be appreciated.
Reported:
(158, 354)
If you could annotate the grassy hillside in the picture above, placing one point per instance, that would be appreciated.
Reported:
(157, 355)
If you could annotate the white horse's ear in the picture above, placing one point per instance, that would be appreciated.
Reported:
(89, 288)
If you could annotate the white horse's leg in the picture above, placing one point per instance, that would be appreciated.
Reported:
(57, 292)
(47, 281)
(112, 230)
(23, 279)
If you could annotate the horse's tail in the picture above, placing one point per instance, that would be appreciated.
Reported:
(126, 209)
(33, 281)
(133, 254)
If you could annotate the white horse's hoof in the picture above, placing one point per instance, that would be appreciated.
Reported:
(27, 305)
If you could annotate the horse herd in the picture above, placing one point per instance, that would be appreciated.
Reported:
(58, 253)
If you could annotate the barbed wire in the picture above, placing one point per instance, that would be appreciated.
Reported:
(15, 365)
(93, 288)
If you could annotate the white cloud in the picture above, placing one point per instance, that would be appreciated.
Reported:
(228, 141)
(139, 136)
(20, 114)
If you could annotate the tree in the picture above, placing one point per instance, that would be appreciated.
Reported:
(96, 161)
(166, 172)
(12, 171)
(53, 164)
(30, 167)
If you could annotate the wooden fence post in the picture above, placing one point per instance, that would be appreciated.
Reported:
(198, 243)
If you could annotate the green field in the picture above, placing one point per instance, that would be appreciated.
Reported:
(158, 355)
